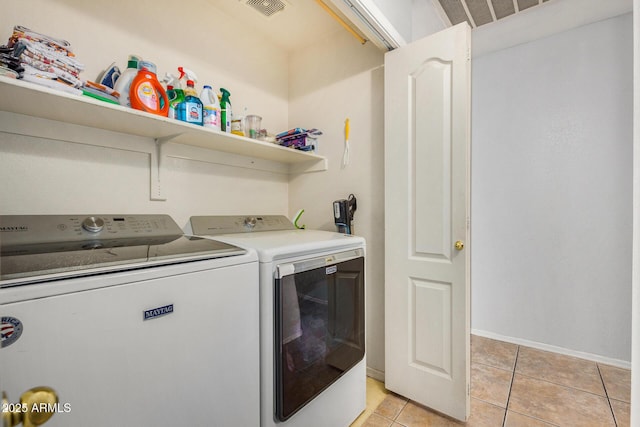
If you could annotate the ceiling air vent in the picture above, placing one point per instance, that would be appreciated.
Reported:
(480, 12)
(267, 7)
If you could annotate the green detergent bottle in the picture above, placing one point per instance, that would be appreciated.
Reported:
(225, 107)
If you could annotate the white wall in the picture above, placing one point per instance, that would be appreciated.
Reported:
(49, 176)
(538, 22)
(334, 79)
(46, 175)
(398, 12)
(635, 350)
(425, 20)
(551, 196)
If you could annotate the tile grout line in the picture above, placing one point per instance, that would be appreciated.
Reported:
(393, 420)
(511, 387)
(513, 376)
(566, 386)
(533, 417)
(492, 366)
(572, 386)
(606, 393)
(400, 411)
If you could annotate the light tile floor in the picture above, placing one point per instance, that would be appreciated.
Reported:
(518, 386)
(376, 393)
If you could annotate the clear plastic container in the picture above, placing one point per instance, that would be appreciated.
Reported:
(252, 125)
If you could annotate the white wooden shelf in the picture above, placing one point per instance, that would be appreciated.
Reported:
(29, 99)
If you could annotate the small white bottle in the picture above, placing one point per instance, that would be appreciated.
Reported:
(211, 108)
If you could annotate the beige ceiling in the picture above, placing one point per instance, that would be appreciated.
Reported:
(480, 12)
(298, 24)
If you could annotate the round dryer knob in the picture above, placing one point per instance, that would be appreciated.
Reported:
(93, 224)
(250, 222)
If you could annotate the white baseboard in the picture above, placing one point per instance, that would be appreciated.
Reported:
(375, 374)
(546, 347)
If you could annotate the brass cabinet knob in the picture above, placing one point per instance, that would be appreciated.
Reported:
(43, 399)
(459, 245)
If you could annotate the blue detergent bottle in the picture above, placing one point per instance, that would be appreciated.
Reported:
(190, 110)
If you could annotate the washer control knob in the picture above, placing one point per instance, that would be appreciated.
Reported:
(93, 224)
(250, 222)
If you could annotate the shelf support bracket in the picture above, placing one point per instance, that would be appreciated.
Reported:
(158, 158)
(309, 166)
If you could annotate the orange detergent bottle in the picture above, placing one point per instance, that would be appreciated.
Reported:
(146, 92)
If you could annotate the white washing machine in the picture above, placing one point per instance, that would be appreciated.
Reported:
(121, 320)
(312, 320)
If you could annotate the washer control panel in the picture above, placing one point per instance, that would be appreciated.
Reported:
(31, 229)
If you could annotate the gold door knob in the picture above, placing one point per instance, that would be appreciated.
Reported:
(43, 399)
(459, 245)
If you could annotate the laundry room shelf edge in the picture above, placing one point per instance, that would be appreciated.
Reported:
(30, 99)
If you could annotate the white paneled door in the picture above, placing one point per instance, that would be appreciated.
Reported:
(427, 186)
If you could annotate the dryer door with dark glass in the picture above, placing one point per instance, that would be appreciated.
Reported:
(319, 326)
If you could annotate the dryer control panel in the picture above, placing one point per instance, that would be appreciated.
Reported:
(219, 224)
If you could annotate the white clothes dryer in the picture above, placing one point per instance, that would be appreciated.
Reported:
(312, 319)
